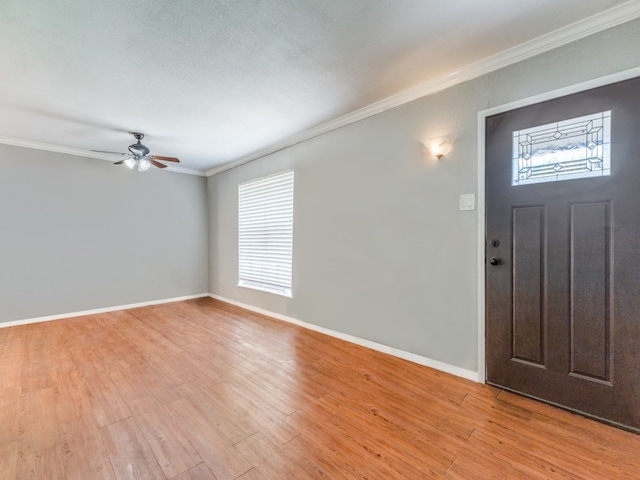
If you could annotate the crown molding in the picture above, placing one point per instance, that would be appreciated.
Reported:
(570, 33)
(185, 170)
(16, 142)
(84, 153)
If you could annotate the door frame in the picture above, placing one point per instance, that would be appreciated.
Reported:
(482, 115)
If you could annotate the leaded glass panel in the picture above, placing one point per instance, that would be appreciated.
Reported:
(574, 148)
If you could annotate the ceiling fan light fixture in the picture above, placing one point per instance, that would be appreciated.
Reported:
(138, 157)
(143, 165)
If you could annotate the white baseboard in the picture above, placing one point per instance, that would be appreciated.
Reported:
(412, 357)
(48, 318)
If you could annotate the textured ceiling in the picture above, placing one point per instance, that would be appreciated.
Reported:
(212, 82)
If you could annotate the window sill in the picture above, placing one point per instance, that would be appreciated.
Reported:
(283, 292)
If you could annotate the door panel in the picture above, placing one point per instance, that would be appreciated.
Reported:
(528, 284)
(590, 291)
(563, 277)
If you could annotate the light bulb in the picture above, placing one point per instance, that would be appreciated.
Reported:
(130, 162)
(143, 165)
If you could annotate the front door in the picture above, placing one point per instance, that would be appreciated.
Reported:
(563, 252)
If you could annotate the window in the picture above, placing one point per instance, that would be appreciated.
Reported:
(265, 233)
(575, 148)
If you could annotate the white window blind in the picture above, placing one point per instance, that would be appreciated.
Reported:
(265, 233)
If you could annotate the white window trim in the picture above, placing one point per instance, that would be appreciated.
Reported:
(265, 233)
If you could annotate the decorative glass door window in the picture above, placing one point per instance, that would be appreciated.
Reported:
(574, 148)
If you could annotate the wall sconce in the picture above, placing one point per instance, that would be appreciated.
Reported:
(439, 146)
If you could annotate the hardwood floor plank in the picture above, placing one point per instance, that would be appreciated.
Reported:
(38, 428)
(394, 459)
(130, 455)
(9, 414)
(84, 452)
(4, 334)
(180, 368)
(522, 459)
(12, 357)
(595, 437)
(45, 464)
(87, 361)
(271, 398)
(8, 460)
(224, 460)
(204, 390)
(36, 371)
(478, 468)
(139, 380)
(172, 450)
(212, 360)
(70, 395)
(107, 404)
(255, 474)
(525, 429)
(321, 459)
(264, 455)
(231, 418)
(255, 414)
(199, 472)
(408, 451)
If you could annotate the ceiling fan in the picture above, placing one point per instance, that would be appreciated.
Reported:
(138, 156)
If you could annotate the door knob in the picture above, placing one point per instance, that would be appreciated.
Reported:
(495, 261)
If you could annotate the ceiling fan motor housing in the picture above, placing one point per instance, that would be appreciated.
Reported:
(138, 149)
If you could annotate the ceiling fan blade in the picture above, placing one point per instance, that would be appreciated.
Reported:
(166, 159)
(156, 164)
(113, 153)
(119, 163)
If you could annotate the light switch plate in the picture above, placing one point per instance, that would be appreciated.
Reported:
(468, 201)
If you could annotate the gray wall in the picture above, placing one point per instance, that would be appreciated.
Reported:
(79, 234)
(381, 250)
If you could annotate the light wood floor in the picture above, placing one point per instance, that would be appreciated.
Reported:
(202, 390)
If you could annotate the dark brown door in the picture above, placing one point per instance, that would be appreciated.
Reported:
(563, 252)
